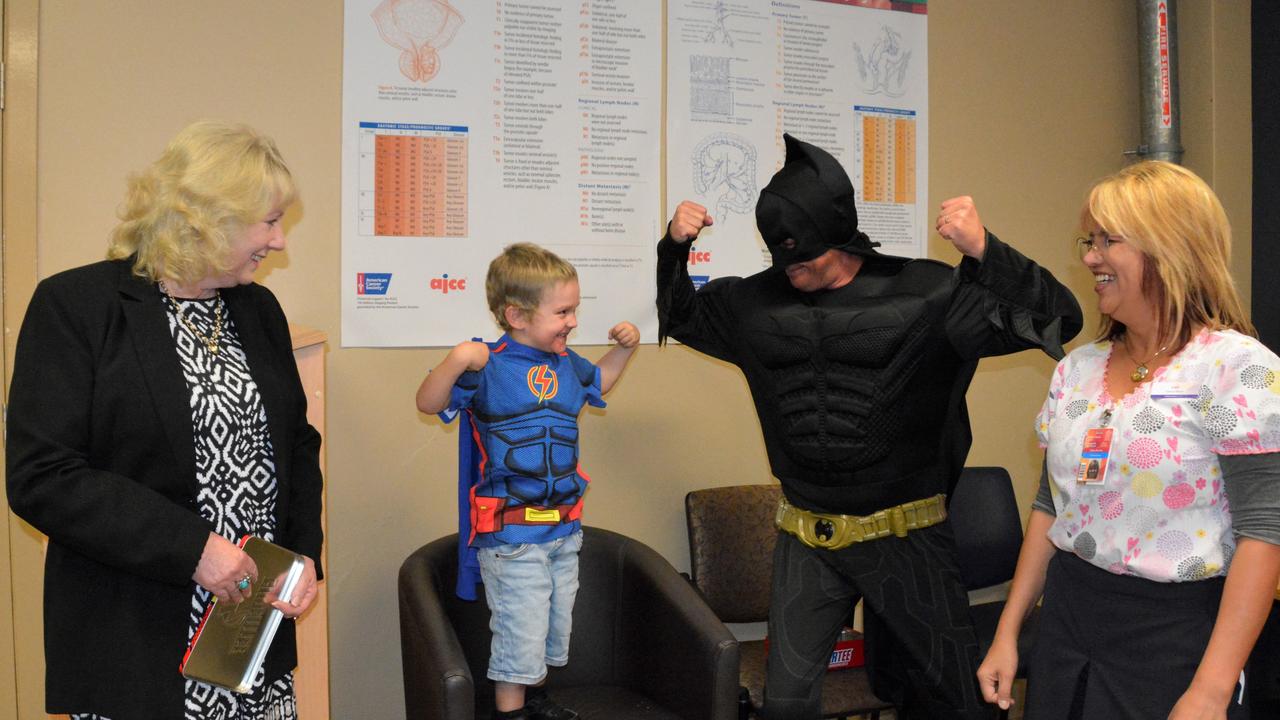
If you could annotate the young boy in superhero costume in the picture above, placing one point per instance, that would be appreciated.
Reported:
(522, 502)
(858, 364)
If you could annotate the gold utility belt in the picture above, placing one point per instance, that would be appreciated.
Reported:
(834, 532)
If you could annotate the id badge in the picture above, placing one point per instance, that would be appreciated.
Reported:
(1095, 458)
(1174, 391)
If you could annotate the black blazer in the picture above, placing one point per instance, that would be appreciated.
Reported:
(101, 459)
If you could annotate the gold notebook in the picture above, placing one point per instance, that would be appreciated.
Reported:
(232, 640)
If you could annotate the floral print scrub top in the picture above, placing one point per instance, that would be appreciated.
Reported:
(1161, 512)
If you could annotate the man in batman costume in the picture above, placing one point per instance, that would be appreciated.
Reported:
(858, 364)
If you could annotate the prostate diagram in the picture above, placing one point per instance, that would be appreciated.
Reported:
(419, 29)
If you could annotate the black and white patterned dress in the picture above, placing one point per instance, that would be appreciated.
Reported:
(236, 477)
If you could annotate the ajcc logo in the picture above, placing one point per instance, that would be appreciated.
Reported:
(446, 284)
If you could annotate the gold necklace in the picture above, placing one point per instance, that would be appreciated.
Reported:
(1141, 372)
(211, 342)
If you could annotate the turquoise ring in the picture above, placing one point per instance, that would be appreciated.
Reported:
(244, 583)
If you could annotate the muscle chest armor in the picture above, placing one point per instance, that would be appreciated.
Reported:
(837, 375)
(533, 456)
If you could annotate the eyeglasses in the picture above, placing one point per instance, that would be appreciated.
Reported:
(1099, 241)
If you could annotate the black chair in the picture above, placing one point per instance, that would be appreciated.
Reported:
(644, 645)
(984, 516)
(731, 541)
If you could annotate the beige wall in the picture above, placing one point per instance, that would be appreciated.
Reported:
(1030, 101)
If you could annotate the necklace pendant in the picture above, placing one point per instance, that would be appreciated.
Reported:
(1139, 373)
(213, 347)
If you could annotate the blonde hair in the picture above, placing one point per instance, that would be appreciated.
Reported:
(1176, 220)
(519, 277)
(181, 214)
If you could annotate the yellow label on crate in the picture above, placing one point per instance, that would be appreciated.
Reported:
(536, 515)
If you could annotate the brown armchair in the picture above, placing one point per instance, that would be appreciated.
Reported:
(644, 644)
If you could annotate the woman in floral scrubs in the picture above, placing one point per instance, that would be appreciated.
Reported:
(1155, 537)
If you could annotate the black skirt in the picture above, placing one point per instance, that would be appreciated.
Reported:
(1118, 647)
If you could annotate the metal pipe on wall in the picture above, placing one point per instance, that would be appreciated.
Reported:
(1158, 81)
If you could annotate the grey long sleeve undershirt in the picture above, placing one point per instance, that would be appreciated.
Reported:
(1251, 483)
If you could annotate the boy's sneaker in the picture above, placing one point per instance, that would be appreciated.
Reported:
(511, 715)
(540, 706)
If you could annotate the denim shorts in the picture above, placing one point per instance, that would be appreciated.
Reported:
(530, 588)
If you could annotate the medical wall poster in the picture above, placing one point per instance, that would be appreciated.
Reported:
(846, 75)
(468, 125)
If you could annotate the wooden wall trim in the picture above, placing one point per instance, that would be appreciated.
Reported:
(22, 656)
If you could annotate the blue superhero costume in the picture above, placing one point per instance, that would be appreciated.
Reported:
(518, 474)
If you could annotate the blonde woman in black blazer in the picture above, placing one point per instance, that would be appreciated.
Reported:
(156, 416)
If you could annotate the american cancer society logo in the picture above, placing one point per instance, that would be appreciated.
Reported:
(372, 283)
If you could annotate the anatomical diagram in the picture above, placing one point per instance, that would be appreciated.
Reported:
(419, 29)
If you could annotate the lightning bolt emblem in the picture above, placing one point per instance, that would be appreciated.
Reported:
(543, 383)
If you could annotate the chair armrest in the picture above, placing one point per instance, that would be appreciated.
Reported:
(437, 681)
(679, 653)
